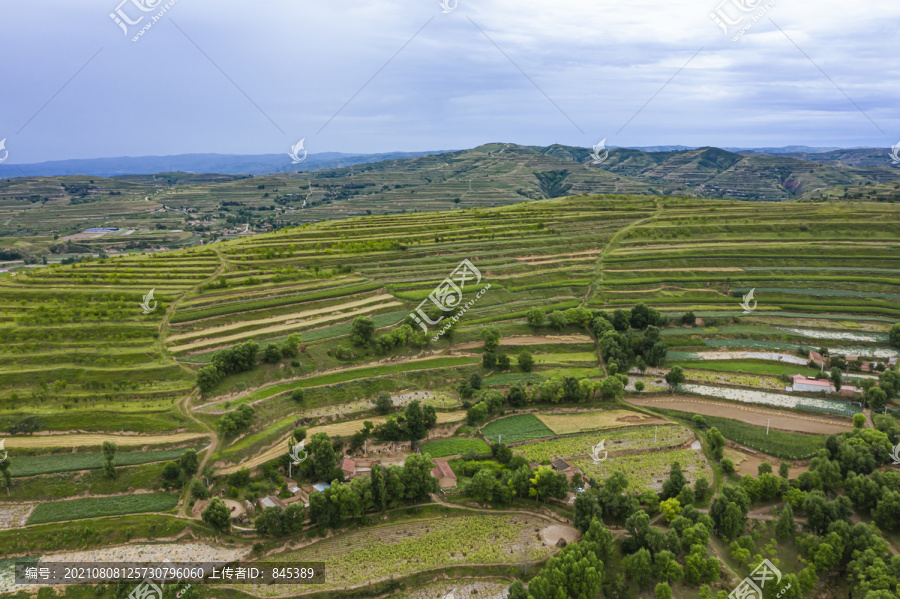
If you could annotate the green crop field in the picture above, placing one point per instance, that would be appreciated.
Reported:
(93, 507)
(515, 429)
(444, 447)
(581, 445)
(780, 444)
(48, 464)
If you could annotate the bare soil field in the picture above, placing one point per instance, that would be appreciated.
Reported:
(529, 340)
(778, 419)
(95, 440)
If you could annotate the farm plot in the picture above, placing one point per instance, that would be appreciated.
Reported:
(776, 419)
(378, 552)
(339, 428)
(839, 335)
(773, 399)
(444, 447)
(868, 352)
(580, 445)
(522, 427)
(648, 470)
(96, 440)
(67, 462)
(734, 378)
(748, 355)
(14, 515)
(93, 507)
(583, 422)
(460, 589)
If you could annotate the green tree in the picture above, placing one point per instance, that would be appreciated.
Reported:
(383, 403)
(666, 567)
(727, 466)
(639, 567)
(482, 485)
(324, 459)
(517, 396)
(670, 508)
(535, 317)
(558, 320)
(4, 471)
(488, 360)
(895, 335)
(297, 395)
(109, 458)
(785, 528)
(525, 362)
(663, 591)
(675, 377)
(272, 354)
(836, 378)
(189, 462)
(716, 442)
(491, 336)
(859, 421)
(361, 330)
(675, 483)
(217, 515)
(701, 488)
(877, 398)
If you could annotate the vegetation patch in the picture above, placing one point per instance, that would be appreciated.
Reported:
(444, 447)
(93, 507)
(522, 427)
(583, 422)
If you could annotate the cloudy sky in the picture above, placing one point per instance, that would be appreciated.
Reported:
(383, 75)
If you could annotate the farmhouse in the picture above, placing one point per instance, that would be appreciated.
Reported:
(559, 465)
(270, 501)
(802, 383)
(348, 467)
(445, 475)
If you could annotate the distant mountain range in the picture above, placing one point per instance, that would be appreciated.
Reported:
(226, 164)
(265, 164)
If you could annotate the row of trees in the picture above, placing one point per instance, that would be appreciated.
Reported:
(243, 357)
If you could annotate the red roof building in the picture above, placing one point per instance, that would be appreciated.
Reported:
(444, 473)
(348, 466)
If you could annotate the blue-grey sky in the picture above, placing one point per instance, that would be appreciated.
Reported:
(589, 66)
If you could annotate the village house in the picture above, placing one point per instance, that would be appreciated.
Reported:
(803, 383)
(561, 466)
(270, 501)
(445, 475)
(348, 467)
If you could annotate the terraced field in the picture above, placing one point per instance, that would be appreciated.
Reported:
(379, 552)
(648, 471)
(614, 441)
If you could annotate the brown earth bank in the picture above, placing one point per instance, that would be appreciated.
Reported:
(776, 419)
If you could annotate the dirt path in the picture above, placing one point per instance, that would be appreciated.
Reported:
(776, 419)
(185, 407)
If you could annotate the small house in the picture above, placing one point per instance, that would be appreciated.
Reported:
(444, 473)
(802, 383)
(348, 467)
(559, 465)
(321, 487)
(270, 501)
